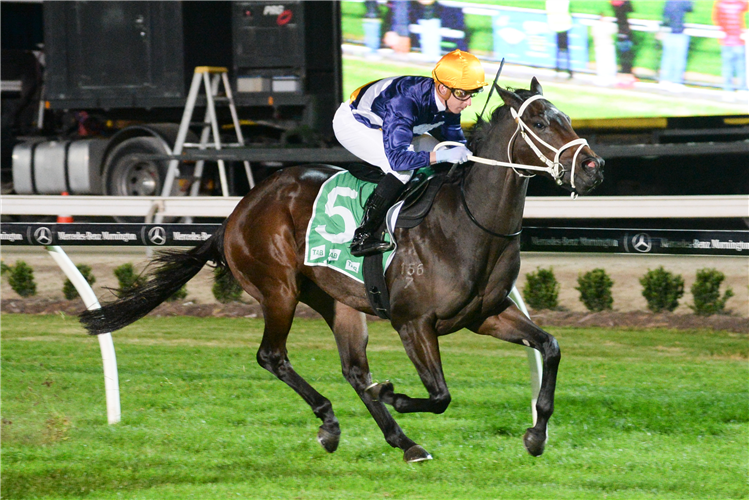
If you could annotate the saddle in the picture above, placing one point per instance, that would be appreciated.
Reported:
(417, 198)
(419, 194)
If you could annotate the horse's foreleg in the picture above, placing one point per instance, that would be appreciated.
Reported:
(350, 328)
(421, 345)
(272, 355)
(513, 326)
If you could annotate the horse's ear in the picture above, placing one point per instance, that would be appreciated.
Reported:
(536, 87)
(510, 98)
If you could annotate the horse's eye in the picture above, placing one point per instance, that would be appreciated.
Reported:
(539, 125)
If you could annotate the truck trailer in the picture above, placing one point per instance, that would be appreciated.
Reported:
(93, 92)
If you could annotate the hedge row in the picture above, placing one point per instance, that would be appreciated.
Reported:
(21, 279)
(661, 289)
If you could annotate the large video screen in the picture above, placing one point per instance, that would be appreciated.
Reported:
(623, 59)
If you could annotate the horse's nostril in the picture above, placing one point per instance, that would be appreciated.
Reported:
(591, 163)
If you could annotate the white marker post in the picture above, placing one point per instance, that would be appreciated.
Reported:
(535, 362)
(111, 380)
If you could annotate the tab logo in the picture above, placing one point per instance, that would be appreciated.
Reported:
(334, 255)
(317, 252)
(352, 266)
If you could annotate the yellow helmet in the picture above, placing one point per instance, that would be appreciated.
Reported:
(459, 70)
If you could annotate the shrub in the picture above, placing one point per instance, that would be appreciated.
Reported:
(662, 289)
(21, 279)
(178, 295)
(68, 289)
(595, 290)
(541, 290)
(706, 292)
(127, 278)
(225, 288)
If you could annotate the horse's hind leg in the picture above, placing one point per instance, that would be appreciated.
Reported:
(513, 326)
(350, 329)
(272, 355)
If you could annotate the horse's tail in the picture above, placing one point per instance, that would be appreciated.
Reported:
(174, 268)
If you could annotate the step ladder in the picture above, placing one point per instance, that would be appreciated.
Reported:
(209, 78)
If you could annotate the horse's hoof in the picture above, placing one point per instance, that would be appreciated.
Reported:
(416, 454)
(328, 440)
(534, 442)
(376, 391)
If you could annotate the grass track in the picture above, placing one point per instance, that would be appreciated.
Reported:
(639, 414)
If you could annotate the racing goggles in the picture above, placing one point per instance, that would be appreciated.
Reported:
(460, 94)
(464, 95)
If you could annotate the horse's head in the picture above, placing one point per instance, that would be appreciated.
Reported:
(544, 137)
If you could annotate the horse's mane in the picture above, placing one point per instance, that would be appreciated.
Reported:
(483, 127)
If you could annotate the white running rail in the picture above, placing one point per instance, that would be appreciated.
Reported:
(536, 207)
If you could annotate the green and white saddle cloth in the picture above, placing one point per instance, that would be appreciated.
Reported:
(338, 210)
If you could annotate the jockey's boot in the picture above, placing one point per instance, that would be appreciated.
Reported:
(366, 238)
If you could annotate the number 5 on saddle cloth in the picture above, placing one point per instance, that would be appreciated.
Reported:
(337, 211)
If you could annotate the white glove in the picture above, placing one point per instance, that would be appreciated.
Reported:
(458, 154)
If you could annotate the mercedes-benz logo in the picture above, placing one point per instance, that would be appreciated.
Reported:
(157, 235)
(43, 236)
(641, 242)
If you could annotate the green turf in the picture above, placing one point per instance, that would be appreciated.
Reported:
(639, 414)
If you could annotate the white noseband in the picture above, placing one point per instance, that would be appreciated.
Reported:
(555, 168)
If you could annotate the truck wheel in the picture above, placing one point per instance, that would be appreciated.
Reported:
(128, 174)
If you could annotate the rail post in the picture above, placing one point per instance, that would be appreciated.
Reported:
(109, 360)
(535, 363)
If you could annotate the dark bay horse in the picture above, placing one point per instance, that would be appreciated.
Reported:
(466, 252)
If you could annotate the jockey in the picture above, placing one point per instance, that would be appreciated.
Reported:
(383, 122)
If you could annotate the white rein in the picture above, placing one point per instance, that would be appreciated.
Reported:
(553, 168)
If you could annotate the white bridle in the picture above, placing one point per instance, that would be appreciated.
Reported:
(553, 168)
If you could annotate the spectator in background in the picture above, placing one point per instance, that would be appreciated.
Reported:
(675, 44)
(625, 47)
(430, 27)
(603, 32)
(730, 16)
(398, 38)
(560, 21)
(454, 33)
(458, 36)
(372, 25)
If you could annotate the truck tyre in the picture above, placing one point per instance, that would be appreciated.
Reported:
(130, 175)
(127, 174)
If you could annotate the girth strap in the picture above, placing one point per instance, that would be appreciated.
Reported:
(374, 282)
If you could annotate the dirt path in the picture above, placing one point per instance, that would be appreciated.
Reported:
(625, 271)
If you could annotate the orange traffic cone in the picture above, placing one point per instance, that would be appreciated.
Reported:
(64, 218)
